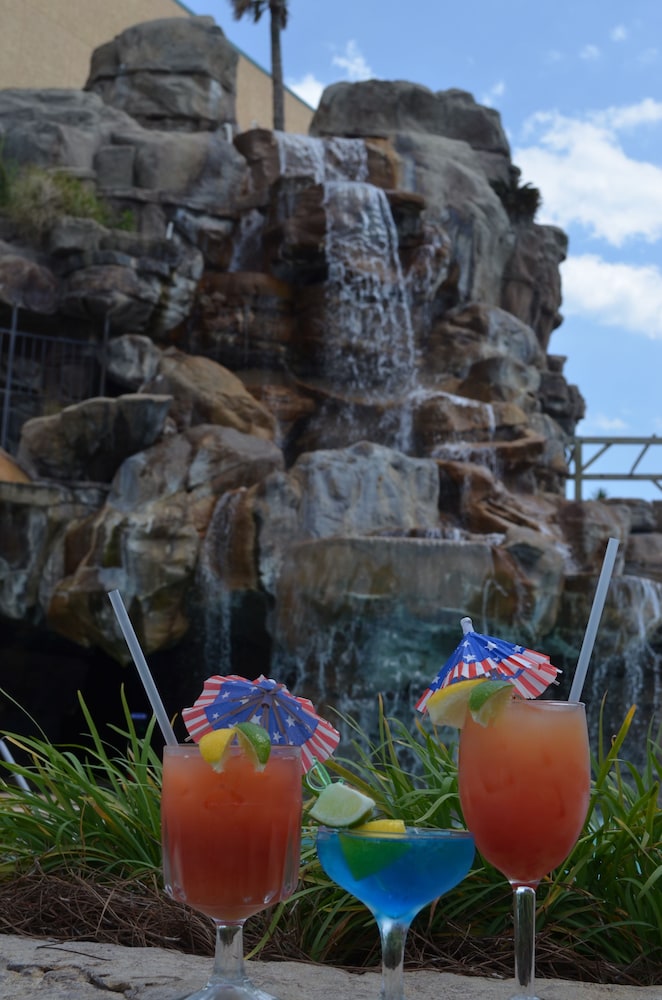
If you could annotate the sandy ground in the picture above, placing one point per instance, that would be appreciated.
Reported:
(49, 970)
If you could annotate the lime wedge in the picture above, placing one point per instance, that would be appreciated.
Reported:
(488, 700)
(214, 746)
(341, 805)
(255, 742)
(368, 854)
(448, 705)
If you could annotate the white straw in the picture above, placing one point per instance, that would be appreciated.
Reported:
(143, 669)
(594, 620)
(18, 778)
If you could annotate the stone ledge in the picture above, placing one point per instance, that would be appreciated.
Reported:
(84, 970)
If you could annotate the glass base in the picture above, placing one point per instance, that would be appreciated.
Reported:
(244, 990)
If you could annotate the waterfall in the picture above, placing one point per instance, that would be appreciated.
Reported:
(321, 159)
(247, 248)
(374, 348)
(214, 563)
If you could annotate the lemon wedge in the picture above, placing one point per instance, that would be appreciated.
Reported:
(448, 706)
(214, 746)
(381, 826)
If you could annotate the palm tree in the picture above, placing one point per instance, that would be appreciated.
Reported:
(278, 13)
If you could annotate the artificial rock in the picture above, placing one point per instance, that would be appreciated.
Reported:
(331, 415)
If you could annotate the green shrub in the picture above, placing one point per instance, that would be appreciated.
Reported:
(35, 199)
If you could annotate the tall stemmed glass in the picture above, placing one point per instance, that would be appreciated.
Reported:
(395, 875)
(524, 784)
(231, 847)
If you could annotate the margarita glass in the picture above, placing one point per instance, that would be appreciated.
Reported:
(231, 847)
(524, 781)
(395, 875)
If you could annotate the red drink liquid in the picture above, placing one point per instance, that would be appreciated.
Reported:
(525, 785)
(231, 839)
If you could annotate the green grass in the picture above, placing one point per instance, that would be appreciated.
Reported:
(93, 809)
(87, 807)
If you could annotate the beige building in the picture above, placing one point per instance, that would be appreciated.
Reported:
(49, 43)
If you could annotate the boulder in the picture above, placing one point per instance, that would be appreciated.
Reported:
(57, 128)
(365, 489)
(26, 284)
(177, 73)
(34, 520)
(88, 441)
(385, 107)
(205, 392)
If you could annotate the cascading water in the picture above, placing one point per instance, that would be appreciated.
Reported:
(321, 159)
(625, 669)
(213, 561)
(374, 346)
(368, 343)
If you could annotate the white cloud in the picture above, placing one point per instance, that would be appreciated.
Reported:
(496, 91)
(614, 294)
(590, 53)
(308, 88)
(587, 179)
(353, 63)
(646, 112)
(618, 33)
(600, 424)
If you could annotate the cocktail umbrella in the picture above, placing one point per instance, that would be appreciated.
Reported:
(289, 720)
(479, 655)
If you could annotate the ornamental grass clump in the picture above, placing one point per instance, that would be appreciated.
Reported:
(87, 807)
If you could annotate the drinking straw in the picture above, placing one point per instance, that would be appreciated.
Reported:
(18, 778)
(141, 665)
(594, 620)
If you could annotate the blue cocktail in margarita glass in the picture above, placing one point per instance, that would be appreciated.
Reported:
(395, 875)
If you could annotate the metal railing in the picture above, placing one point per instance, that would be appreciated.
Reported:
(40, 373)
(583, 452)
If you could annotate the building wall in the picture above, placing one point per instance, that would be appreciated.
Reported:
(49, 43)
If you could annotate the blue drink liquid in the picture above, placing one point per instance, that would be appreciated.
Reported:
(396, 874)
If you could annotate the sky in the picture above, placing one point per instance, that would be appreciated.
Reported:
(578, 86)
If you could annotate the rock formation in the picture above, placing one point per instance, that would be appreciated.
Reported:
(331, 423)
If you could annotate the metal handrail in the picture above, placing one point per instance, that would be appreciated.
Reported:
(575, 457)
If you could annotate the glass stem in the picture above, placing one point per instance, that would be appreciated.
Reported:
(393, 935)
(228, 955)
(524, 897)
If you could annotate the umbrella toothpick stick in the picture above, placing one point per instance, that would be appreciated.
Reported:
(141, 665)
(594, 620)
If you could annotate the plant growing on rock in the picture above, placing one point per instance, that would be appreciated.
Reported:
(35, 199)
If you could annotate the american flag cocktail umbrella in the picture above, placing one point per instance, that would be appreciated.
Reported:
(288, 720)
(480, 655)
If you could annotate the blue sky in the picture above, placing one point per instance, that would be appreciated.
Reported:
(578, 85)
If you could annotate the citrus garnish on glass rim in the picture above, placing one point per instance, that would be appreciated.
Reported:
(481, 696)
(253, 739)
